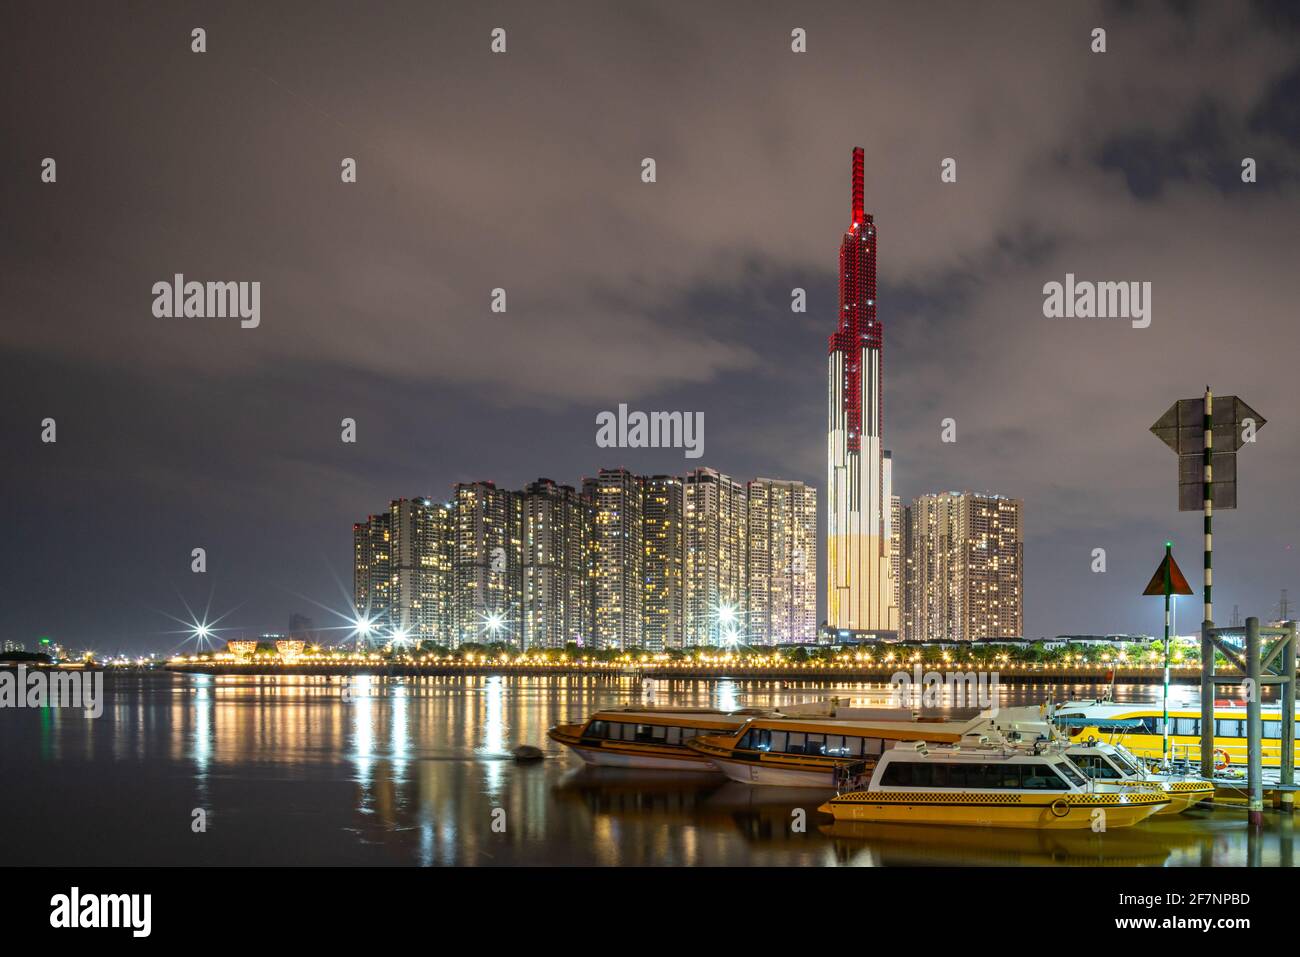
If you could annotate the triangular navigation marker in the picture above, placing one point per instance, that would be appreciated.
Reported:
(1177, 582)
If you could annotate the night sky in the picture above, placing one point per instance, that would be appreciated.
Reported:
(522, 171)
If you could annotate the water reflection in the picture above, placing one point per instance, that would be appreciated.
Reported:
(378, 770)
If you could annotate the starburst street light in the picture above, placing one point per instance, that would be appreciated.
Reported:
(494, 622)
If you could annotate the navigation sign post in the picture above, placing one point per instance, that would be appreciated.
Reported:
(1168, 580)
(1233, 423)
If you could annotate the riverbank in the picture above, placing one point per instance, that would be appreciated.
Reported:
(1006, 674)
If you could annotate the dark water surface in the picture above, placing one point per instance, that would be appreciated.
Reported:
(416, 771)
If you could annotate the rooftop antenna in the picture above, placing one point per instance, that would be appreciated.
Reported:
(1284, 607)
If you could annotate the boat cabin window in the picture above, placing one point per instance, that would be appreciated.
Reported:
(800, 742)
(1071, 773)
(1148, 725)
(644, 733)
(991, 776)
(1095, 766)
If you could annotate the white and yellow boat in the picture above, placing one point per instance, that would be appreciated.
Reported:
(1111, 763)
(1138, 728)
(991, 787)
(648, 738)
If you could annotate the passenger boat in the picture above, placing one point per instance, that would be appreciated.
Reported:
(814, 752)
(1112, 763)
(1137, 728)
(648, 738)
(990, 787)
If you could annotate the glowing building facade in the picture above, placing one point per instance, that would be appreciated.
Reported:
(665, 561)
(860, 580)
(617, 558)
(717, 533)
(782, 568)
(556, 577)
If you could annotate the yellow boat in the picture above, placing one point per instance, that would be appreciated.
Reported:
(991, 787)
(648, 738)
(1137, 727)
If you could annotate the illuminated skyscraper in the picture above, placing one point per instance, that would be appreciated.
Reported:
(782, 568)
(965, 570)
(372, 571)
(487, 560)
(617, 558)
(717, 530)
(860, 584)
(664, 533)
(556, 584)
(420, 573)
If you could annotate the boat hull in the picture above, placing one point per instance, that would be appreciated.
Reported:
(631, 755)
(979, 809)
(767, 774)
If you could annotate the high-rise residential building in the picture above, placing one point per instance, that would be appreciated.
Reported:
(420, 576)
(860, 582)
(556, 584)
(896, 559)
(665, 557)
(487, 564)
(781, 590)
(965, 577)
(717, 558)
(372, 572)
(617, 558)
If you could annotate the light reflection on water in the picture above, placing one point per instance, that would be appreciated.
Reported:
(415, 771)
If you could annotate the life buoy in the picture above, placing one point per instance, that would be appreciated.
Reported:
(1060, 807)
(1227, 759)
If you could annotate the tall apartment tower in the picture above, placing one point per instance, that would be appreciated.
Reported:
(556, 586)
(860, 582)
(664, 533)
(966, 578)
(487, 564)
(717, 516)
(372, 570)
(420, 570)
(781, 588)
(617, 558)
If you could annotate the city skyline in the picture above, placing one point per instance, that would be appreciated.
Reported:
(176, 434)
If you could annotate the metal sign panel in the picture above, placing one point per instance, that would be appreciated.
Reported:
(1182, 428)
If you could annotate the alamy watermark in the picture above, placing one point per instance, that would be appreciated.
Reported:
(954, 689)
(42, 688)
(75, 909)
(651, 430)
(179, 299)
(1083, 299)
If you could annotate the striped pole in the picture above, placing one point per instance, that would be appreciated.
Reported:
(1208, 503)
(1207, 644)
(1164, 723)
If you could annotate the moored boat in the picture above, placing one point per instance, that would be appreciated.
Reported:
(648, 738)
(990, 787)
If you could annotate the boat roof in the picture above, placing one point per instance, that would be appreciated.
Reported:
(1110, 709)
(970, 754)
(691, 716)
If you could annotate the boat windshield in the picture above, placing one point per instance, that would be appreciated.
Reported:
(1125, 761)
(1071, 775)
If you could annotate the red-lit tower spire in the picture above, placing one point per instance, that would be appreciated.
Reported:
(858, 326)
